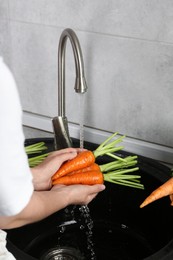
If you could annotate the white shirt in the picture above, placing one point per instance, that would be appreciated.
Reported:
(16, 186)
(4, 253)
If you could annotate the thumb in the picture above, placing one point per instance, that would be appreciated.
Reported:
(66, 156)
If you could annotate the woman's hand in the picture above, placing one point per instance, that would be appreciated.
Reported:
(44, 203)
(44, 171)
(171, 198)
(79, 194)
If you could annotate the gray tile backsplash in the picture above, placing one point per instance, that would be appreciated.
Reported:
(3, 9)
(128, 55)
(150, 20)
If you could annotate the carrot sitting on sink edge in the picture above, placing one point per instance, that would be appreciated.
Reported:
(165, 189)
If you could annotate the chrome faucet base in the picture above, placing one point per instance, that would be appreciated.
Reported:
(61, 133)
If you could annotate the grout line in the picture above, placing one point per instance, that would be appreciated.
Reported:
(143, 148)
(106, 34)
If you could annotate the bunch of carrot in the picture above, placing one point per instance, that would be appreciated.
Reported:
(83, 169)
(37, 148)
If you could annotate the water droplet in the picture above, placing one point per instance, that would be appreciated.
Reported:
(123, 226)
(62, 229)
(82, 227)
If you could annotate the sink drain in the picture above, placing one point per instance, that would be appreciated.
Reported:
(64, 253)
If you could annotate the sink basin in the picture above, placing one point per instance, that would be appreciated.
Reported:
(120, 229)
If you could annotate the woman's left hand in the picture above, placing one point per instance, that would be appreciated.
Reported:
(44, 171)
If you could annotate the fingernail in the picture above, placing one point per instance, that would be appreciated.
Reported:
(102, 187)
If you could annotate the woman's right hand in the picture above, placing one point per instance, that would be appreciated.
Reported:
(79, 194)
(44, 203)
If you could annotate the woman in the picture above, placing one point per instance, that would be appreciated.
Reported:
(25, 193)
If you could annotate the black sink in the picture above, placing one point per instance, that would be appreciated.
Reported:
(121, 230)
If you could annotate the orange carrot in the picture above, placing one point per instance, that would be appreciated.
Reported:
(162, 191)
(97, 177)
(87, 178)
(82, 160)
(129, 161)
(92, 167)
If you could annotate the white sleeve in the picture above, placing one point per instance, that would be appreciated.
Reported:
(4, 253)
(16, 186)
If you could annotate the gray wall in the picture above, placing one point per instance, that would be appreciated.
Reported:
(128, 54)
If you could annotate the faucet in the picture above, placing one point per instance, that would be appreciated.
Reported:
(60, 123)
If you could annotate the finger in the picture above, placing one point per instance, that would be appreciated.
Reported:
(57, 186)
(56, 161)
(97, 188)
(62, 157)
(67, 156)
(171, 198)
(64, 151)
(90, 198)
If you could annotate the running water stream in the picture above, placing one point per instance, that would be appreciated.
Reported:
(85, 214)
(81, 119)
(84, 210)
(81, 215)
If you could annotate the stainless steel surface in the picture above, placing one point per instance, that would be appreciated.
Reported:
(61, 133)
(80, 82)
(60, 125)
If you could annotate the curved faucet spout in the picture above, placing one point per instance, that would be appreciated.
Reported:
(80, 82)
(60, 123)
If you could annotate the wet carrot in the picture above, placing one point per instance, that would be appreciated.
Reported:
(82, 160)
(162, 191)
(86, 178)
(92, 167)
(110, 166)
(96, 177)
